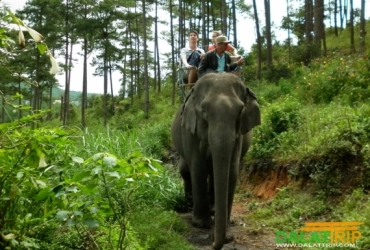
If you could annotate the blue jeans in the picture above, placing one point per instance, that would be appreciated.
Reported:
(194, 58)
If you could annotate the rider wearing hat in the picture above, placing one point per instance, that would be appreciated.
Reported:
(217, 60)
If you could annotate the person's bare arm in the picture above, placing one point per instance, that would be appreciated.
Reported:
(239, 62)
(184, 59)
(234, 52)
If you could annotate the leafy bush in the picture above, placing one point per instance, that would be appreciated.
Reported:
(338, 78)
(155, 139)
(48, 191)
(277, 72)
(273, 92)
(31, 160)
(280, 117)
(302, 54)
(284, 117)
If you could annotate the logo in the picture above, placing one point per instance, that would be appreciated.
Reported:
(321, 234)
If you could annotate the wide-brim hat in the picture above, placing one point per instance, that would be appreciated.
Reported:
(222, 39)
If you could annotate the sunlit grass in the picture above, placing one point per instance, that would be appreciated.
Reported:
(152, 140)
(160, 230)
(291, 209)
(317, 125)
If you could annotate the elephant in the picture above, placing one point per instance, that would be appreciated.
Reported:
(211, 132)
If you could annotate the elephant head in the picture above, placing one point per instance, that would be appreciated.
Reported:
(194, 108)
(217, 116)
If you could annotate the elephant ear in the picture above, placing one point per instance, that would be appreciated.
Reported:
(189, 119)
(251, 115)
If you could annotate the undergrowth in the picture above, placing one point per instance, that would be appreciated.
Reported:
(290, 209)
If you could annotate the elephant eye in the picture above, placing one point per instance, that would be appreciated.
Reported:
(204, 113)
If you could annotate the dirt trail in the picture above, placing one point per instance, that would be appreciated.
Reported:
(245, 238)
(263, 186)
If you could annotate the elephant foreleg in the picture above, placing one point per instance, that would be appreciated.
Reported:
(201, 215)
(185, 174)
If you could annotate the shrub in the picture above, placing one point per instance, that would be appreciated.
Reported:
(31, 161)
(272, 92)
(280, 117)
(158, 229)
(277, 72)
(155, 139)
(338, 78)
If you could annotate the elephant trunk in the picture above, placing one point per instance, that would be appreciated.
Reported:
(221, 146)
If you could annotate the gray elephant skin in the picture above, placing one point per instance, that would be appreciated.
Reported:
(212, 132)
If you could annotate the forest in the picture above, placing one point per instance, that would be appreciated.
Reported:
(98, 171)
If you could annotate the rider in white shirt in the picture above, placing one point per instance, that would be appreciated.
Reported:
(191, 56)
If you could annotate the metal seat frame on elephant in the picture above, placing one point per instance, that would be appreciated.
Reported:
(182, 81)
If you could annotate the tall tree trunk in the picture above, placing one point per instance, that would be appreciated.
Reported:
(146, 83)
(233, 7)
(308, 30)
(158, 64)
(50, 97)
(70, 57)
(36, 86)
(259, 41)
(289, 39)
(182, 32)
(352, 27)
(19, 91)
(131, 88)
(68, 68)
(224, 17)
(105, 75)
(111, 106)
(362, 27)
(110, 78)
(131, 91)
(173, 53)
(209, 18)
(156, 55)
(204, 39)
(341, 14)
(124, 84)
(212, 14)
(324, 41)
(61, 111)
(319, 22)
(268, 34)
(84, 86)
(335, 17)
(138, 58)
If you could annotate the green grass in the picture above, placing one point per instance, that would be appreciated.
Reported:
(159, 229)
(153, 140)
(291, 209)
